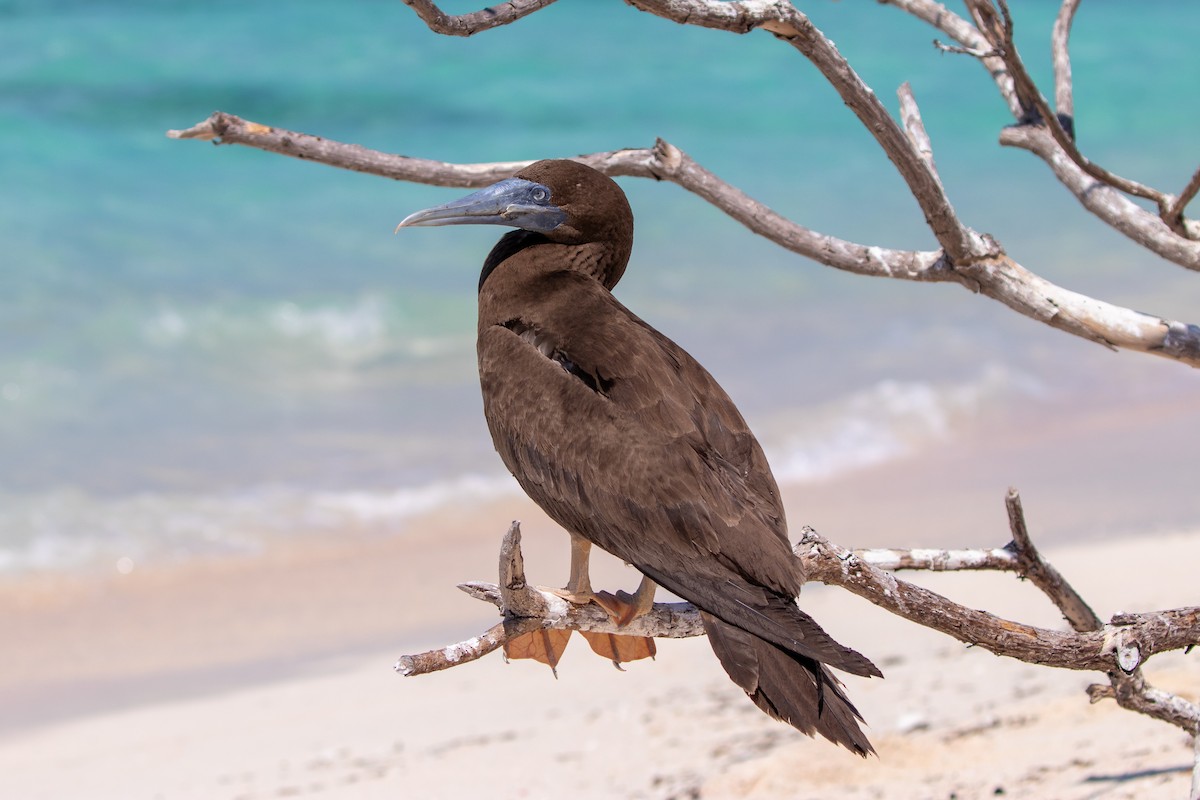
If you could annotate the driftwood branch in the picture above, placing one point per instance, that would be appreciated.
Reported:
(526, 609)
(1089, 650)
(785, 22)
(1051, 136)
(1173, 215)
(989, 271)
(1042, 574)
(1064, 86)
(970, 41)
(482, 20)
(975, 261)
(1020, 556)
(1110, 205)
(914, 128)
(1117, 649)
(967, 258)
(1038, 111)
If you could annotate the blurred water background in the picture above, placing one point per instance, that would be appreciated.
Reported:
(204, 350)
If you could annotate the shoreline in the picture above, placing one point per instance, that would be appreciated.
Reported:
(309, 598)
(926, 448)
(247, 677)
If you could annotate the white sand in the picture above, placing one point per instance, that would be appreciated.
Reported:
(948, 721)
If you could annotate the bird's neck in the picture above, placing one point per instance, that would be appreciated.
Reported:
(529, 253)
(510, 244)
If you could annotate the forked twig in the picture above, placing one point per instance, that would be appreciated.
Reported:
(1118, 649)
(1064, 88)
(526, 609)
(476, 21)
(990, 271)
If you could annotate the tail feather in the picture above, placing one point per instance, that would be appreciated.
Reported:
(768, 615)
(790, 687)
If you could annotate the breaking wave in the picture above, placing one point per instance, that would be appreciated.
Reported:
(885, 422)
(70, 530)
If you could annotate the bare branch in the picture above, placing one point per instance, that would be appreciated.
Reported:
(960, 50)
(993, 22)
(1043, 114)
(1117, 649)
(1124, 644)
(1043, 574)
(972, 43)
(1091, 650)
(999, 559)
(225, 128)
(960, 243)
(1019, 556)
(991, 42)
(914, 127)
(526, 609)
(1127, 684)
(1133, 693)
(1060, 37)
(990, 272)
(1158, 631)
(464, 652)
(1173, 216)
(468, 24)
(662, 162)
(1116, 210)
(1174, 239)
(669, 163)
(783, 20)
(1005, 280)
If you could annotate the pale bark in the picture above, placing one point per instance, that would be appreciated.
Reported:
(990, 39)
(988, 270)
(482, 20)
(1117, 649)
(1110, 205)
(977, 262)
(1064, 84)
(966, 257)
(1175, 239)
(526, 609)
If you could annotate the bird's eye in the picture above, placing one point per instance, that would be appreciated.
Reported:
(539, 194)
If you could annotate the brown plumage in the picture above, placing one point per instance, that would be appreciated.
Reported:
(625, 440)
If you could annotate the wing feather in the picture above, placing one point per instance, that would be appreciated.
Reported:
(660, 469)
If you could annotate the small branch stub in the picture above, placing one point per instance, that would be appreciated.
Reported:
(1129, 657)
(1128, 640)
(528, 611)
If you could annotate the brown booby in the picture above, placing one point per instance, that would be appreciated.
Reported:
(630, 445)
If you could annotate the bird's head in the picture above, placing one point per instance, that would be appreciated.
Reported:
(566, 202)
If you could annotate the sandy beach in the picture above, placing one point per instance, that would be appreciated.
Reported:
(243, 456)
(272, 676)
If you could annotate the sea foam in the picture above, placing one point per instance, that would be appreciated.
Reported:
(72, 530)
(887, 421)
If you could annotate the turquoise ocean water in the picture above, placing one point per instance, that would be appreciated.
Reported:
(203, 349)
